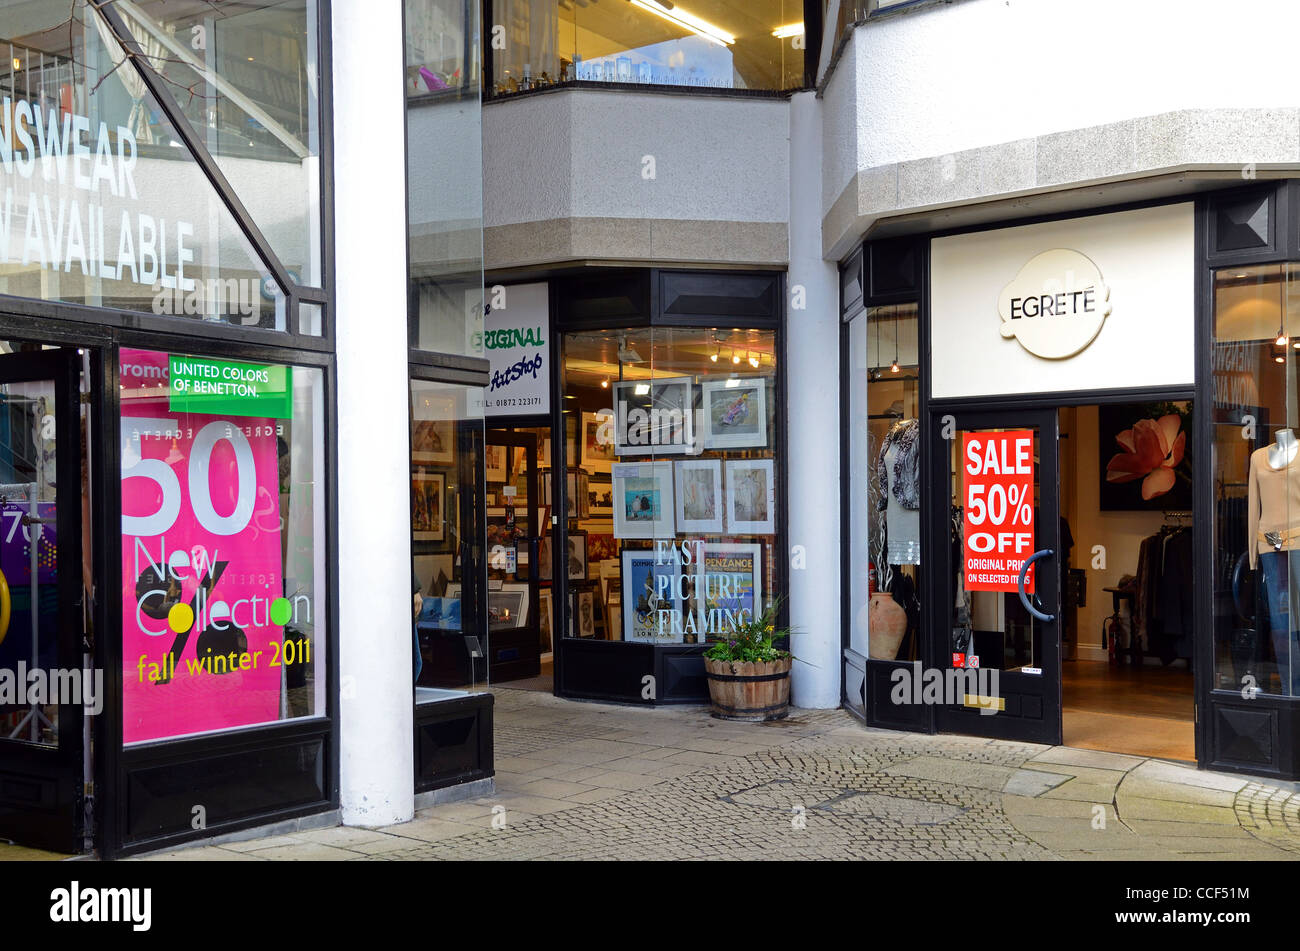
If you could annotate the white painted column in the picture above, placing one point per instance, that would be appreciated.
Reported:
(812, 368)
(376, 769)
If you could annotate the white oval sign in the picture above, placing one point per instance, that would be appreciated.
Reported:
(1056, 305)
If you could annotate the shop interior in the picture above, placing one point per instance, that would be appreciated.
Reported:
(1126, 560)
(724, 374)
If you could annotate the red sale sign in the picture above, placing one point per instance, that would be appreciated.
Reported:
(998, 508)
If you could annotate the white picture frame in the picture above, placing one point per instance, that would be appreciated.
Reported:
(733, 413)
(494, 463)
(668, 395)
(699, 500)
(643, 500)
(751, 497)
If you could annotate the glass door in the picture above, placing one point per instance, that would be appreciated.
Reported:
(996, 641)
(44, 669)
(514, 558)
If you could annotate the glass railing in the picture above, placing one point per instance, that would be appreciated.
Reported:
(704, 44)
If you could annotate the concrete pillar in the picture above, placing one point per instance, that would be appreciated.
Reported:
(376, 770)
(812, 367)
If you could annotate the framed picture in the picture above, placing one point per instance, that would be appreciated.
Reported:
(653, 416)
(597, 441)
(1145, 456)
(453, 591)
(614, 614)
(434, 574)
(428, 506)
(544, 452)
(643, 500)
(729, 582)
(584, 612)
(433, 430)
(734, 413)
(652, 610)
(600, 496)
(494, 463)
(751, 497)
(601, 546)
(508, 607)
(577, 556)
(699, 495)
(578, 504)
(545, 620)
(610, 579)
(545, 559)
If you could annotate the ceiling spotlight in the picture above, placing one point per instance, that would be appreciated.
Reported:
(604, 384)
(893, 367)
(735, 357)
(1281, 340)
(1279, 359)
(713, 357)
(753, 361)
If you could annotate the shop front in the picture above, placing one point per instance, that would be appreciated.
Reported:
(167, 634)
(1069, 454)
(634, 483)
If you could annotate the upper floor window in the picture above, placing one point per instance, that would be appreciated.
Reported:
(718, 44)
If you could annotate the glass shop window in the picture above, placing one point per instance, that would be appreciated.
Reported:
(446, 532)
(1256, 363)
(885, 501)
(223, 544)
(673, 483)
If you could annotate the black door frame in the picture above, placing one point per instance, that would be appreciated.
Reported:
(1031, 702)
(56, 819)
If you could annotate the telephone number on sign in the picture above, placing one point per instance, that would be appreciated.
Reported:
(518, 401)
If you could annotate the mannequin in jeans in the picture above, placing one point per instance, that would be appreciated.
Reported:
(1274, 543)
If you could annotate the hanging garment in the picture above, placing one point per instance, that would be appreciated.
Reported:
(898, 478)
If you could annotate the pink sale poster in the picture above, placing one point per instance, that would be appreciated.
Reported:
(203, 606)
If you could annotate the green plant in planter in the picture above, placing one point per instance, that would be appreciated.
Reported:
(752, 641)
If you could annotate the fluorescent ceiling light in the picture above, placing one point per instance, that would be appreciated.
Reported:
(785, 32)
(690, 21)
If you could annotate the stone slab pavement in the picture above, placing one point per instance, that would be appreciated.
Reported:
(595, 781)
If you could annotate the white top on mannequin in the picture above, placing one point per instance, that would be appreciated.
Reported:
(1283, 451)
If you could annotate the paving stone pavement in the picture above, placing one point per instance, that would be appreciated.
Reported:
(594, 781)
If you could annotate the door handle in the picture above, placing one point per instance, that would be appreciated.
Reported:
(1024, 598)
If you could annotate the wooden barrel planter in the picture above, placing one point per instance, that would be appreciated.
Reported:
(749, 690)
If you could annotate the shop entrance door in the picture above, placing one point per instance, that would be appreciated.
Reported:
(43, 664)
(996, 639)
(514, 650)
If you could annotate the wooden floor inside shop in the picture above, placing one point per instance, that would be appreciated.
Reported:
(1143, 711)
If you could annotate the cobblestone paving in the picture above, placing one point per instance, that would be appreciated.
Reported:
(593, 781)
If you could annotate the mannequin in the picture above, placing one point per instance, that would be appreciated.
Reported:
(898, 475)
(1283, 451)
(1273, 543)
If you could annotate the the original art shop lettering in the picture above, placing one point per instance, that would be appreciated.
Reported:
(65, 201)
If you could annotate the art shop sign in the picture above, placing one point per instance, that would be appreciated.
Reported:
(516, 340)
(1057, 304)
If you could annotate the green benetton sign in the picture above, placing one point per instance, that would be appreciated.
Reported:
(227, 388)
